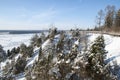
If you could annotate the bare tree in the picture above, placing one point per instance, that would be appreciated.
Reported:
(110, 14)
(99, 18)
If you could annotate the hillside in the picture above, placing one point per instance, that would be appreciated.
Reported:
(64, 55)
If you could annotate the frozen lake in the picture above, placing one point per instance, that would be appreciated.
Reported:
(8, 41)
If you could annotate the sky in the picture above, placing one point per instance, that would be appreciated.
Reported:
(42, 14)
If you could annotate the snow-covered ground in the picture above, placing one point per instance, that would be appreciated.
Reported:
(112, 46)
(8, 41)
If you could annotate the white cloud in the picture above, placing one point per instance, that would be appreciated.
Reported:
(45, 14)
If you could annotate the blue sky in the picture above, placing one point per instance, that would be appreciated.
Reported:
(41, 14)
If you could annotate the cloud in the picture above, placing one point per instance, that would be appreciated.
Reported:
(45, 14)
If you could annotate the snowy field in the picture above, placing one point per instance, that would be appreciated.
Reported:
(8, 41)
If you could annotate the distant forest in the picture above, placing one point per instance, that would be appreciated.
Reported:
(22, 31)
(108, 19)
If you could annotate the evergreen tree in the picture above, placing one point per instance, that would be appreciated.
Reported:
(20, 65)
(42, 36)
(23, 48)
(8, 53)
(97, 68)
(38, 42)
(34, 39)
(2, 54)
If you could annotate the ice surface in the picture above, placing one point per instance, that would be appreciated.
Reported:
(8, 41)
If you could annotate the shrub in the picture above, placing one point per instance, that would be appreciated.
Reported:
(19, 66)
(2, 54)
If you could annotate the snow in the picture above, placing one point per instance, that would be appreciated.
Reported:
(92, 37)
(8, 41)
(76, 67)
(36, 53)
(113, 49)
(68, 61)
(2, 64)
(45, 43)
(112, 46)
(20, 76)
(57, 36)
(33, 58)
(77, 42)
(17, 56)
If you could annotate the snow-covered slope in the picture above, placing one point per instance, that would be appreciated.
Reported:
(9, 41)
(112, 46)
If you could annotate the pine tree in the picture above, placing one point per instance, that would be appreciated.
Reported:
(2, 54)
(34, 39)
(97, 68)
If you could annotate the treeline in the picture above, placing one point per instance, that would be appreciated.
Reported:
(108, 19)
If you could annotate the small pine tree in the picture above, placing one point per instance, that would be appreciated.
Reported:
(42, 36)
(19, 66)
(34, 39)
(2, 54)
(8, 53)
(97, 67)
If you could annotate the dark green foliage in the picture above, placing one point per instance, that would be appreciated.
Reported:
(34, 39)
(15, 50)
(2, 53)
(60, 45)
(42, 37)
(26, 50)
(65, 68)
(97, 68)
(41, 69)
(97, 50)
(22, 48)
(19, 66)
(11, 53)
(29, 51)
(8, 53)
(75, 33)
(52, 33)
(38, 42)
(63, 60)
